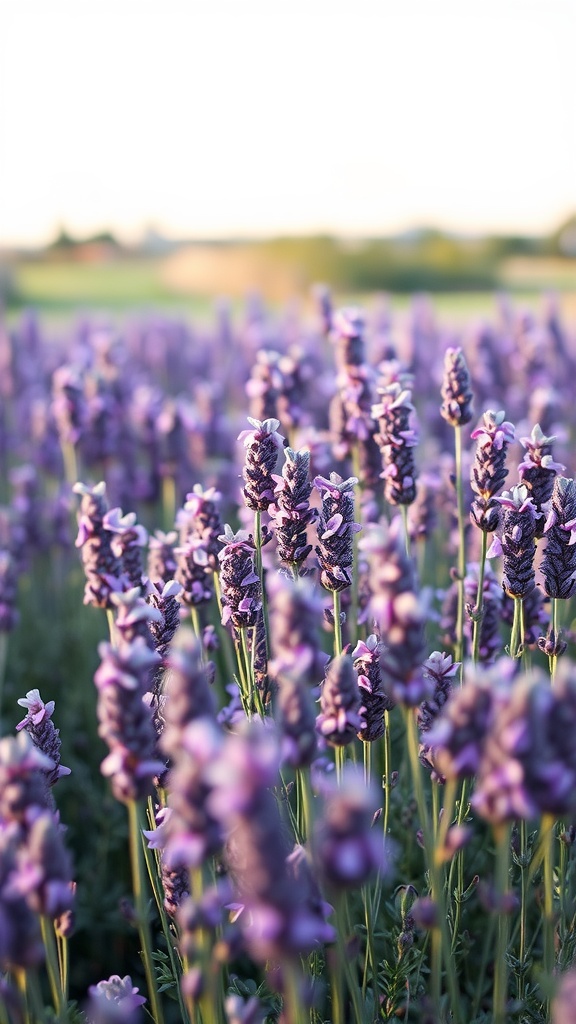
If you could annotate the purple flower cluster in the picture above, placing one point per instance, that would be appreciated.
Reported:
(336, 528)
(241, 597)
(396, 439)
(262, 444)
(538, 470)
(375, 701)
(101, 566)
(489, 471)
(456, 390)
(340, 719)
(199, 527)
(515, 541)
(291, 510)
(399, 614)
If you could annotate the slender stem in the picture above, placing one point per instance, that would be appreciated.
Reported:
(337, 623)
(196, 622)
(500, 965)
(479, 609)
(553, 660)
(141, 906)
(294, 1011)
(63, 963)
(387, 771)
(459, 651)
(260, 574)
(3, 660)
(548, 839)
(345, 965)
(516, 638)
(53, 966)
(70, 463)
(523, 911)
(404, 513)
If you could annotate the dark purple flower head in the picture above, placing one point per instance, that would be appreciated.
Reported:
(296, 612)
(291, 510)
(23, 778)
(101, 566)
(515, 541)
(68, 404)
(374, 701)
(538, 470)
(336, 528)
(559, 563)
(128, 537)
(340, 719)
(39, 726)
(241, 598)
(43, 874)
(489, 472)
(348, 851)
(398, 612)
(262, 444)
(456, 390)
(396, 438)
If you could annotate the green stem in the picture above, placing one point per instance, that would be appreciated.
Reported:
(337, 623)
(517, 636)
(345, 966)
(387, 771)
(479, 609)
(553, 660)
(53, 966)
(523, 910)
(500, 965)
(548, 839)
(168, 501)
(196, 623)
(70, 463)
(459, 650)
(293, 1009)
(141, 906)
(260, 573)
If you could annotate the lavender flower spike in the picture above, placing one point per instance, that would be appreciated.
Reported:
(396, 439)
(291, 511)
(559, 562)
(538, 469)
(39, 726)
(489, 471)
(515, 541)
(374, 700)
(241, 599)
(336, 528)
(101, 566)
(262, 444)
(456, 390)
(340, 719)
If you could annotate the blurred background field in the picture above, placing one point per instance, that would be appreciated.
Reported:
(463, 274)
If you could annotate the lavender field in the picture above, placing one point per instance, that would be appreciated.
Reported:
(287, 687)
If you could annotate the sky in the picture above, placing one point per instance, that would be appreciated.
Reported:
(215, 118)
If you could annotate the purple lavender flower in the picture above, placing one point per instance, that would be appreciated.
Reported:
(441, 669)
(265, 385)
(339, 719)
(396, 439)
(186, 690)
(515, 541)
(347, 334)
(456, 740)
(529, 717)
(262, 444)
(374, 700)
(279, 919)
(399, 614)
(240, 584)
(115, 1001)
(489, 471)
(68, 404)
(291, 510)
(559, 562)
(43, 871)
(23, 778)
(537, 471)
(125, 721)
(197, 553)
(457, 394)
(21, 943)
(347, 850)
(161, 557)
(101, 566)
(564, 1002)
(127, 540)
(134, 615)
(336, 528)
(39, 726)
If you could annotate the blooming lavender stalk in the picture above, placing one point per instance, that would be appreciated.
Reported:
(127, 541)
(399, 614)
(367, 655)
(162, 632)
(40, 727)
(339, 719)
(240, 583)
(125, 721)
(456, 390)
(161, 557)
(199, 526)
(538, 470)
(489, 470)
(559, 562)
(515, 541)
(21, 942)
(187, 693)
(101, 566)
(347, 850)
(262, 444)
(69, 412)
(396, 439)
(291, 511)
(441, 669)
(336, 529)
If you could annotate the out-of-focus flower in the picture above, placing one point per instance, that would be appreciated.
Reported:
(101, 566)
(396, 439)
(456, 390)
(340, 719)
(348, 851)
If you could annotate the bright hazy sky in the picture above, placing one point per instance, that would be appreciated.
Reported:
(217, 117)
